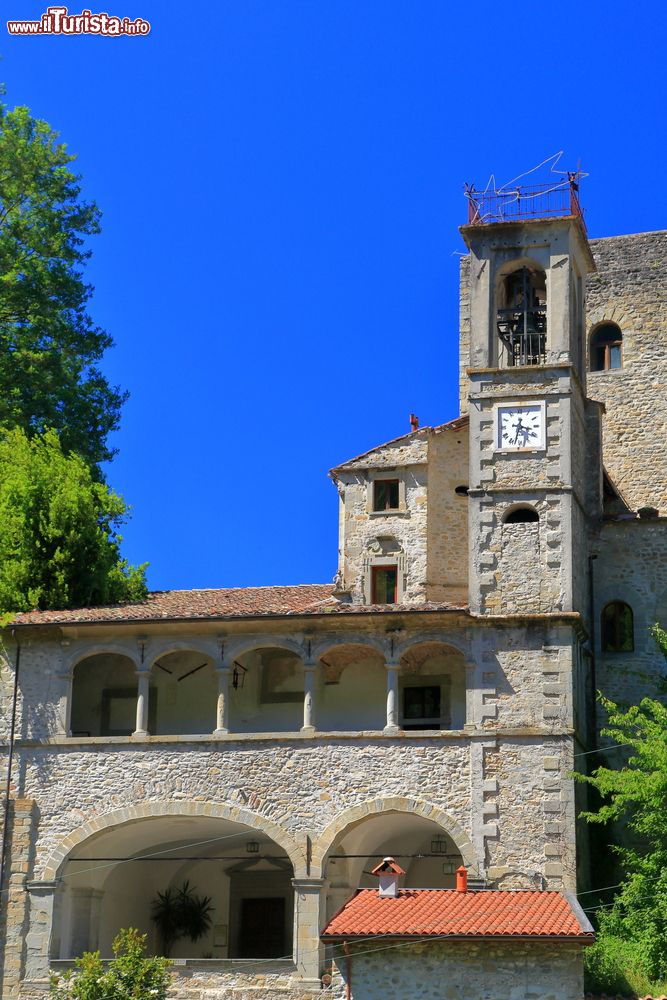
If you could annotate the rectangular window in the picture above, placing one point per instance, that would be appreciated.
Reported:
(385, 585)
(421, 707)
(385, 494)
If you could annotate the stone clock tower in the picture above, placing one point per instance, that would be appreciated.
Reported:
(534, 436)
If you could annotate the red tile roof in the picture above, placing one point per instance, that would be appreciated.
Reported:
(233, 602)
(451, 914)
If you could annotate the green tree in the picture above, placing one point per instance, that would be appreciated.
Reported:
(128, 976)
(59, 546)
(49, 346)
(632, 943)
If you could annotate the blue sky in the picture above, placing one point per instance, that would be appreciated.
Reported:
(281, 185)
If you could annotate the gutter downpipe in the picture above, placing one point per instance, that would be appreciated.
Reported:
(12, 732)
(348, 971)
(591, 628)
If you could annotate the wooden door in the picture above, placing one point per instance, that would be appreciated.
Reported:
(262, 928)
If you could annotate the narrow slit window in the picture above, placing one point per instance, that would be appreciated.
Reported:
(385, 584)
(385, 494)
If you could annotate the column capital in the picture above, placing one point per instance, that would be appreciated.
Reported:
(392, 664)
(43, 887)
(308, 884)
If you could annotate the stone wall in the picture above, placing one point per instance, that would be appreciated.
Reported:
(449, 970)
(464, 332)
(500, 787)
(630, 289)
(632, 567)
(447, 521)
(398, 536)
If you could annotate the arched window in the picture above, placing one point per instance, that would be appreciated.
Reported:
(522, 317)
(521, 515)
(617, 628)
(606, 348)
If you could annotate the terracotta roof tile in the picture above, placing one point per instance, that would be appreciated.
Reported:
(447, 913)
(230, 602)
(233, 602)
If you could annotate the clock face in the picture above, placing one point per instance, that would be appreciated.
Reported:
(521, 427)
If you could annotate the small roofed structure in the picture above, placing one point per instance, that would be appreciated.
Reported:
(529, 943)
(388, 871)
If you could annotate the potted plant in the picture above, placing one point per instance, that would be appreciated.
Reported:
(179, 913)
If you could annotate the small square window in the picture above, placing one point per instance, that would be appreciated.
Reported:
(385, 494)
(421, 707)
(385, 584)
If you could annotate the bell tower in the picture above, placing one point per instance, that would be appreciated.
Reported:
(534, 437)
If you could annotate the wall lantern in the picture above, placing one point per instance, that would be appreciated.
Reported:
(252, 846)
(238, 675)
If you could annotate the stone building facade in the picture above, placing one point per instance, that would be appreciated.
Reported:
(269, 745)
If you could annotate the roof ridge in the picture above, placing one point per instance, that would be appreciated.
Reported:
(201, 590)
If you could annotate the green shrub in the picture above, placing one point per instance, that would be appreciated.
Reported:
(130, 975)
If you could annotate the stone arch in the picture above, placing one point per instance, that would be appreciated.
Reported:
(595, 331)
(160, 809)
(509, 266)
(418, 807)
(433, 635)
(521, 512)
(240, 647)
(166, 646)
(100, 648)
(330, 643)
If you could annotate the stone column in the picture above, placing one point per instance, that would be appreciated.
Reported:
(308, 952)
(82, 906)
(41, 896)
(392, 698)
(143, 687)
(309, 696)
(16, 901)
(66, 679)
(222, 709)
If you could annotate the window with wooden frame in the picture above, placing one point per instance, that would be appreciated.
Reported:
(606, 348)
(617, 632)
(384, 584)
(386, 494)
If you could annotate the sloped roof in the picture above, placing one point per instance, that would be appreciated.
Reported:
(225, 603)
(420, 434)
(233, 602)
(446, 913)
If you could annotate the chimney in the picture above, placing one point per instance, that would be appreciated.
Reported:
(388, 872)
(462, 879)
(414, 422)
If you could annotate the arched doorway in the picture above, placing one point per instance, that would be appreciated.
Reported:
(421, 846)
